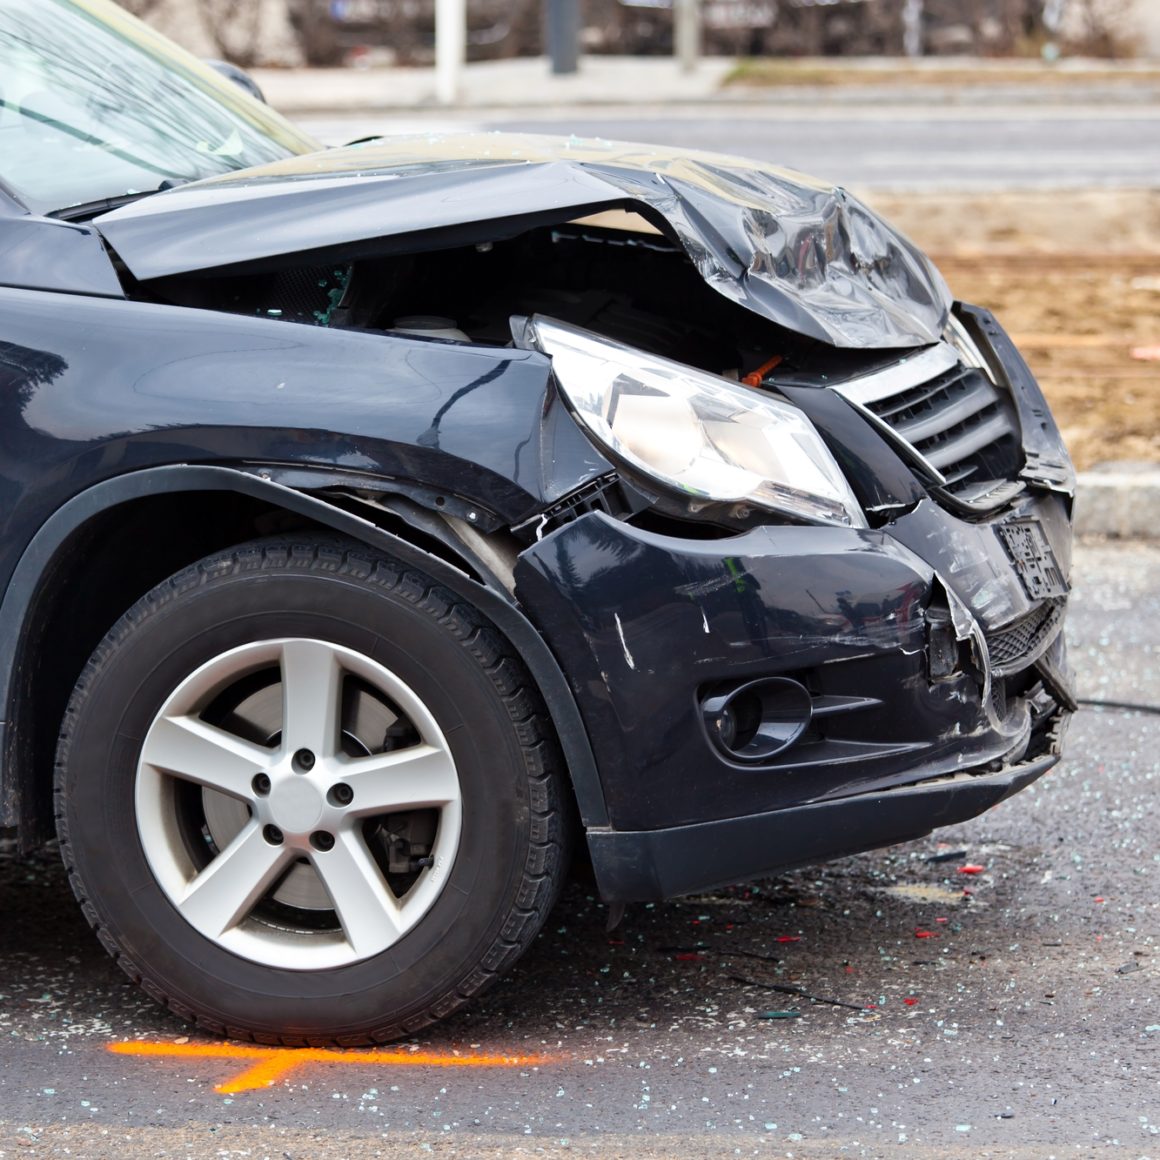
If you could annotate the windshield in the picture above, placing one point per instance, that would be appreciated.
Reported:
(94, 105)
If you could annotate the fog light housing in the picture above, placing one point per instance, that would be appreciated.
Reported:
(757, 720)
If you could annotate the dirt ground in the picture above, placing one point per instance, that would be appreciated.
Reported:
(894, 72)
(1075, 278)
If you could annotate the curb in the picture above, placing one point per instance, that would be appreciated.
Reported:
(526, 84)
(306, 105)
(1119, 500)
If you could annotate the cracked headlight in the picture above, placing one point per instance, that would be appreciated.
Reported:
(696, 433)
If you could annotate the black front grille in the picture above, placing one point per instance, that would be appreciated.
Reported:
(999, 698)
(961, 424)
(1016, 647)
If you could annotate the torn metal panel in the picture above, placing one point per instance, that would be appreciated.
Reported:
(973, 560)
(804, 254)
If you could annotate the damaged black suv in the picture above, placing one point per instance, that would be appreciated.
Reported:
(382, 523)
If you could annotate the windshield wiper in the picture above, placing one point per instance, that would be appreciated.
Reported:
(92, 209)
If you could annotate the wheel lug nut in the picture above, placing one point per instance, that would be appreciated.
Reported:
(304, 760)
(341, 794)
(273, 835)
(321, 840)
(261, 784)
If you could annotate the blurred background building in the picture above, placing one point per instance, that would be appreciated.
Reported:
(368, 32)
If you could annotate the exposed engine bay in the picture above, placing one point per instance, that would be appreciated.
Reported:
(633, 286)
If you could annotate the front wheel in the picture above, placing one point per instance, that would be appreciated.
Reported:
(305, 795)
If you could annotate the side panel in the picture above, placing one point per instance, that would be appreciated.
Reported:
(91, 389)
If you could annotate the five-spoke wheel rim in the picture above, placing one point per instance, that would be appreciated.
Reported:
(288, 836)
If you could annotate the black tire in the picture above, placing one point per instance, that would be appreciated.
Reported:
(482, 910)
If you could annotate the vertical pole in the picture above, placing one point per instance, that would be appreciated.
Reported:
(687, 33)
(450, 49)
(562, 35)
(912, 28)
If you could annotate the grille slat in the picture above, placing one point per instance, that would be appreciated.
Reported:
(955, 446)
(947, 408)
(893, 407)
(956, 419)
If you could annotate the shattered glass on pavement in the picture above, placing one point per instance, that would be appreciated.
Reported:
(994, 992)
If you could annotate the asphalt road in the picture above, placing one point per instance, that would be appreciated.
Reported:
(904, 148)
(1021, 1019)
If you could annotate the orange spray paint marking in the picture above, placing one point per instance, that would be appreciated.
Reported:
(267, 1065)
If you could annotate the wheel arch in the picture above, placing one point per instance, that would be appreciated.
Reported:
(89, 563)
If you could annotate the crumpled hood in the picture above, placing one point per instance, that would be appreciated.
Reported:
(801, 253)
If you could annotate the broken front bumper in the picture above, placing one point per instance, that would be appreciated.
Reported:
(907, 723)
(648, 865)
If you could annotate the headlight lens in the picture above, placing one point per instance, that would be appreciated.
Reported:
(694, 432)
